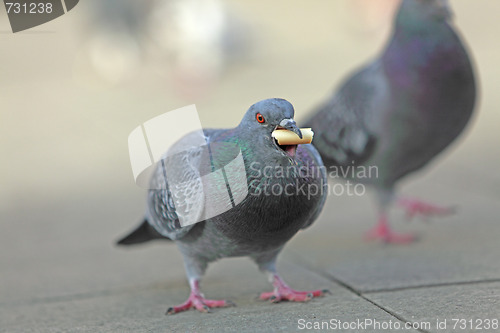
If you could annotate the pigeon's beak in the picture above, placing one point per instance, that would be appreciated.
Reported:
(284, 126)
(290, 125)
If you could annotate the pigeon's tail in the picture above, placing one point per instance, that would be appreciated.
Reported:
(143, 233)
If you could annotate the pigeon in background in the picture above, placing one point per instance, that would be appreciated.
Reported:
(402, 109)
(281, 201)
(192, 42)
(200, 39)
(116, 36)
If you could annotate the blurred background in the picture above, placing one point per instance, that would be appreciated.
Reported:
(66, 113)
(73, 89)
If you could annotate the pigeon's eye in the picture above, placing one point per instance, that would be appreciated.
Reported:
(260, 118)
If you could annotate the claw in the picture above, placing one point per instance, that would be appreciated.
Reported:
(282, 292)
(198, 302)
(416, 207)
(383, 232)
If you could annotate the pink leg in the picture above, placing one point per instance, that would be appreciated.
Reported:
(197, 301)
(383, 232)
(416, 207)
(282, 292)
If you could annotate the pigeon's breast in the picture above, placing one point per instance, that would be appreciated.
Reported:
(280, 200)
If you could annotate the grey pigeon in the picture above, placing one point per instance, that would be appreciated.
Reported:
(400, 110)
(116, 36)
(286, 192)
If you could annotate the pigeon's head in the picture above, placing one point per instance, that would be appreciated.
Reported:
(266, 116)
(424, 11)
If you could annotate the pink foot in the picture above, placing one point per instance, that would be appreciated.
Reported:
(282, 292)
(383, 232)
(416, 207)
(198, 302)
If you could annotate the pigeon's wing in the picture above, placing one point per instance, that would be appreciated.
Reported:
(341, 124)
(313, 160)
(176, 200)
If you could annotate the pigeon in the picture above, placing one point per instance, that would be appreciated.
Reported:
(286, 189)
(116, 37)
(201, 39)
(401, 110)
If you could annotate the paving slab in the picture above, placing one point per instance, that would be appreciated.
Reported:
(457, 308)
(66, 247)
(141, 308)
(457, 248)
